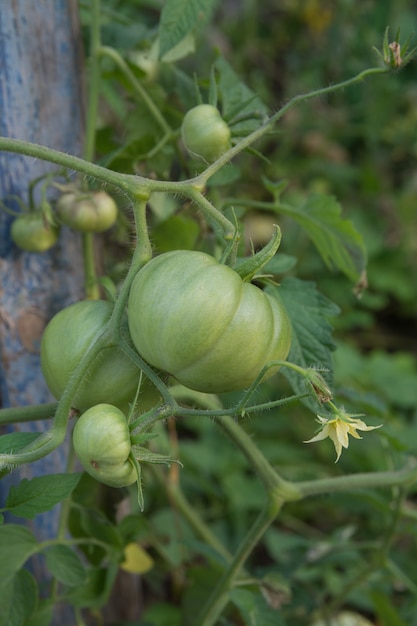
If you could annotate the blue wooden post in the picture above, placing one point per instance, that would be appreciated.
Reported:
(41, 101)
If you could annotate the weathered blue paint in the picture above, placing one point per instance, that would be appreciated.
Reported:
(40, 101)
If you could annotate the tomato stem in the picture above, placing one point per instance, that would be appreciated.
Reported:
(137, 86)
(219, 598)
(17, 415)
(92, 289)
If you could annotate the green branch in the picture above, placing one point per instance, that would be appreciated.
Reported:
(137, 86)
(352, 482)
(250, 139)
(20, 414)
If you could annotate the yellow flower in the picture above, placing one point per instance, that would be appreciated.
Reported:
(339, 427)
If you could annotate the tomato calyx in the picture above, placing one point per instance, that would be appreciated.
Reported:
(248, 268)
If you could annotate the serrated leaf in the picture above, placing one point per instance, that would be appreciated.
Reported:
(336, 239)
(17, 544)
(40, 494)
(312, 344)
(65, 565)
(179, 18)
(254, 610)
(233, 93)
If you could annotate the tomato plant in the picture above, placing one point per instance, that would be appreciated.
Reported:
(111, 378)
(206, 321)
(101, 440)
(198, 320)
(87, 212)
(31, 232)
(205, 133)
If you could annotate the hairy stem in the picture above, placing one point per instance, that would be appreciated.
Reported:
(190, 514)
(20, 414)
(272, 480)
(352, 482)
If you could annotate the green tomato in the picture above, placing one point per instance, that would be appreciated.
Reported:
(205, 133)
(197, 320)
(113, 378)
(101, 440)
(87, 213)
(32, 233)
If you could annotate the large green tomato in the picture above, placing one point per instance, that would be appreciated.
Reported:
(199, 321)
(101, 440)
(113, 377)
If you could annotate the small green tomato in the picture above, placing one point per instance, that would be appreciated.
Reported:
(87, 213)
(101, 440)
(32, 233)
(205, 133)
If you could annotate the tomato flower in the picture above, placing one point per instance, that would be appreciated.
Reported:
(339, 427)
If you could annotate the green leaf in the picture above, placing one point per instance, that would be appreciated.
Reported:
(163, 614)
(280, 264)
(13, 442)
(43, 614)
(312, 343)
(95, 524)
(17, 544)
(234, 93)
(19, 603)
(181, 17)
(40, 494)
(336, 239)
(175, 233)
(95, 591)
(254, 610)
(89, 522)
(65, 565)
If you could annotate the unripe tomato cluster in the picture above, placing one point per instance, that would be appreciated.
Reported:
(189, 316)
(205, 133)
